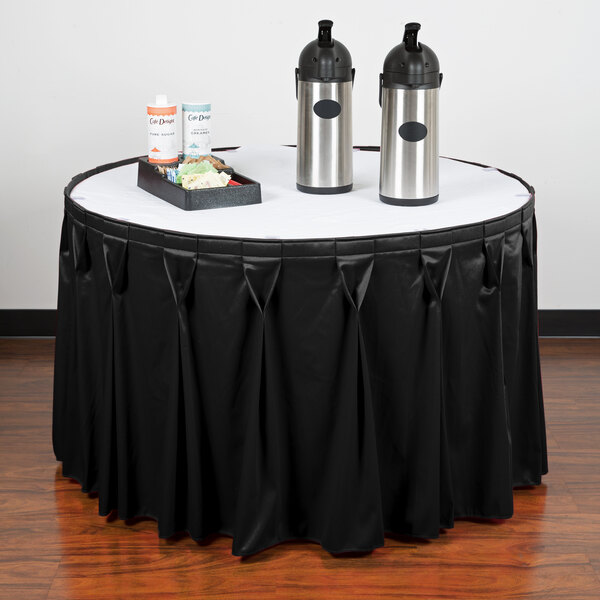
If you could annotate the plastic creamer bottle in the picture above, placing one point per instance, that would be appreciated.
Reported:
(162, 131)
(196, 129)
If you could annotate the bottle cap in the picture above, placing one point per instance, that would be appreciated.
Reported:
(161, 100)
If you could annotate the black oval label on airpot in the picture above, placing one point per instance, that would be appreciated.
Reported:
(327, 109)
(413, 131)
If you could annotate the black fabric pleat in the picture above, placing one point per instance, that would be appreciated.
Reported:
(480, 450)
(259, 510)
(115, 478)
(330, 390)
(436, 264)
(183, 448)
(527, 415)
(64, 358)
(89, 354)
(352, 489)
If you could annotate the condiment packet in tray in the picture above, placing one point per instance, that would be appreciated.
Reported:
(215, 162)
(200, 181)
(204, 165)
(195, 175)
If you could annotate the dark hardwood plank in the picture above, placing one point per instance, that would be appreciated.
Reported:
(54, 545)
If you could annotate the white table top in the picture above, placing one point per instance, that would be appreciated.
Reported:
(468, 194)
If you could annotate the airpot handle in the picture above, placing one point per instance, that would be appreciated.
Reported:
(325, 40)
(410, 37)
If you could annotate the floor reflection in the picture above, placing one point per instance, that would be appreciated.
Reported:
(107, 557)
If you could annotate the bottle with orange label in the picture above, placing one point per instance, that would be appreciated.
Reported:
(162, 131)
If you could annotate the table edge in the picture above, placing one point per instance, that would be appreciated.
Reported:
(295, 247)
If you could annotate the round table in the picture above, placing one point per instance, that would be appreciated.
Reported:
(327, 368)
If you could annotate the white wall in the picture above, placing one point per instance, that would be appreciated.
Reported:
(521, 91)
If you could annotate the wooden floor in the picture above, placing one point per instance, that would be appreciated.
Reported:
(53, 544)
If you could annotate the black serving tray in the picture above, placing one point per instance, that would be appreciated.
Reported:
(152, 181)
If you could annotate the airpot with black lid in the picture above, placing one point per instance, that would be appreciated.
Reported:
(408, 95)
(324, 80)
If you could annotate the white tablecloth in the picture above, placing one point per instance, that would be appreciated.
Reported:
(468, 194)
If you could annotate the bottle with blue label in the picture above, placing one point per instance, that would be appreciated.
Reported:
(196, 118)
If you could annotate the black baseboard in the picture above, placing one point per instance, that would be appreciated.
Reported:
(553, 323)
(569, 323)
(36, 323)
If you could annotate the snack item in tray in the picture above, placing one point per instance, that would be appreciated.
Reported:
(171, 174)
(216, 163)
(194, 169)
(210, 179)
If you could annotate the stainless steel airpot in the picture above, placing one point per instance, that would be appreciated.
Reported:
(408, 95)
(324, 79)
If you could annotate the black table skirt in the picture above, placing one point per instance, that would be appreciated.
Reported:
(329, 390)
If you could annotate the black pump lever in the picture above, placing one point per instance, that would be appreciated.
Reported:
(325, 40)
(410, 37)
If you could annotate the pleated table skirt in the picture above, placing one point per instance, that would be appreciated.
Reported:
(328, 390)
